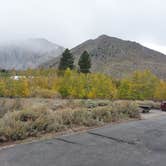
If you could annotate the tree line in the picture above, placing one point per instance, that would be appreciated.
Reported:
(47, 83)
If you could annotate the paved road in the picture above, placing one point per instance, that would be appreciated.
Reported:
(140, 143)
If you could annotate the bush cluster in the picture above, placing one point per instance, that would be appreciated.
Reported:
(18, 125)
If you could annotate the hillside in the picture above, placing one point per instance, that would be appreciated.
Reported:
(27, 54)
(118, 57)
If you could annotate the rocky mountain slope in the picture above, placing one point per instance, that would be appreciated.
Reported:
(118, 57)
(27, 54)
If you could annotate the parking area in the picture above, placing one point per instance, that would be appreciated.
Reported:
(154, 113)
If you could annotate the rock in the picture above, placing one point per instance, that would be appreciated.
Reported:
(3, 138)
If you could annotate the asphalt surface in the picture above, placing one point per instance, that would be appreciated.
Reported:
(139, 143)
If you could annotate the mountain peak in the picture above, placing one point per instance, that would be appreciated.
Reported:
(103, 36)
(119, 57)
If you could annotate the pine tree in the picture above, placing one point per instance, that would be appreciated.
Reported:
(66, 61)
(85, 62)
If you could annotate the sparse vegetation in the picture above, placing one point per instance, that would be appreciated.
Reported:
(38, 119)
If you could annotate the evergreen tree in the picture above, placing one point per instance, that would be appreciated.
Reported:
(66, 61)
(85, 62)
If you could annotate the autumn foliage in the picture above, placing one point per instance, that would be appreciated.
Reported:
(140, 85)
(72, 84)
(79, 85)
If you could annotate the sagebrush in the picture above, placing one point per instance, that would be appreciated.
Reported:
(18, 125)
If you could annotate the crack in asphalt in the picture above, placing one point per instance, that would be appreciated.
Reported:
(114, 139)
(67, 141)
(99, 135)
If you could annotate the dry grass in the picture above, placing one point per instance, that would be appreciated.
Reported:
(40, 119)
(45, 93)
(153, 104)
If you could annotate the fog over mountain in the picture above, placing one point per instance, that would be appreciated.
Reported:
(69, 22)
(27, 53)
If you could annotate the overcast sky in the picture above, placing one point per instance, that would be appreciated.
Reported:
(70, 22)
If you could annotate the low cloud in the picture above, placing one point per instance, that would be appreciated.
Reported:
(69, 23)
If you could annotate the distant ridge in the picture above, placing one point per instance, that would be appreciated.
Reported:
(118, 57)
(28, 53)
